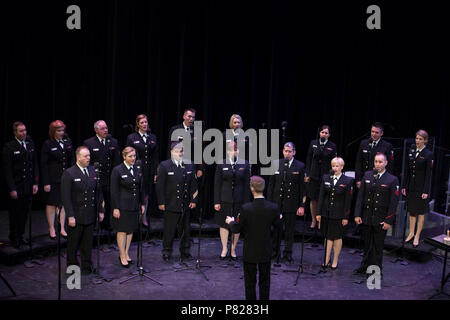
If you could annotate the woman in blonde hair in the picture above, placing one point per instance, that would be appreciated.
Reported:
(417, 184)
(56, 156)
(235, 133)
(127, 201)
(334, 203)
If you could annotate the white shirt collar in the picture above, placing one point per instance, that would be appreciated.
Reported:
(338, 177)
(82, 169)
(175, 162)
(381, 174)
(376, 142)
(100, 139)
(19, 140)
(185, 126)
(325, 142)
(142, 134)
(290, 162)
(420, 150)
(231, 160)
(259, 197)
(126, 165)
(234, 132)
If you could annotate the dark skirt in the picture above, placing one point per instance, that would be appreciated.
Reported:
(417, 205)
(333, 230)
(313, 189)
(128, 221)
(53, 198)
(225, 211)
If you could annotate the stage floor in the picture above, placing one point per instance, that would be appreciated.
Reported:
(225, 278)
(418, 280)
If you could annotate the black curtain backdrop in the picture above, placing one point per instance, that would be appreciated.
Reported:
(305, 63)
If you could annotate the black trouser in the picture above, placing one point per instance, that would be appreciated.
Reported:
(106, 223)
(250, 270)
(80, 236)
(18, 210)
(174, 221)
(373, 236)
(288, 222)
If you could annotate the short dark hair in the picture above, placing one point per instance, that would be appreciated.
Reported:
(325, 126)
(16, 124)
(190, 109)
(77, 152)
(382, 154)
(289, 145)
(378, 125)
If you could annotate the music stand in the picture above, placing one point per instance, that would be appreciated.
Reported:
(438, 243)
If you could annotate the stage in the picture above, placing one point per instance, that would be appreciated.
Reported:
(416, 281)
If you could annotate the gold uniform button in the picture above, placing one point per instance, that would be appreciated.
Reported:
(376, 209)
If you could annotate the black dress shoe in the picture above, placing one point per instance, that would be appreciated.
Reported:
(186, 256)
(415, 246)
(52, 238)
(63, 236)
(360, 270)
(130, 261)
(333, 268)
(409, 240)
(222, 258)
(288, 258)
(234, 258)
(123, 265)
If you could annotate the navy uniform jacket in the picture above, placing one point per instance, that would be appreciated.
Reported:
(127, 191)
(366, 156)
(170, 185)
(180, 138)
(335, 198)
(54, 160)
(418, 171)
(256, 220)
(80, 196)
(20, 166)
(108, 156)
(318, 160)
(146, 152)
(382, 196)
(223, 182)
(290, 195)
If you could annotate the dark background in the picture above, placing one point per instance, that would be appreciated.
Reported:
(307, 64)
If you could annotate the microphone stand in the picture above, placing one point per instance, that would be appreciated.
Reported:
(99, 278)
(402, 247)
(323, 268)
(197, 266)
(32, 262)
(280, 229)
(58, 245)
(141, 272)
(8, 285)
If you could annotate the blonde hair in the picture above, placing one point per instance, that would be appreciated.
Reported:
(338, 160)
(235, 116)
(423, 134)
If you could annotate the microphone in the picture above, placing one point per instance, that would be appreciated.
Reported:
(283, 125)
(96, 166)
(413, 148)
(286, 162)
(322, 139)
(331, 172)
(375, 173)
(263, 125)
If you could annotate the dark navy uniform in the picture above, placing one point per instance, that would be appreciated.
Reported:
(318, 163)
(231, 189)
(366, 156)
(334, 202)
(127, 195)
(148, 152)
(56, 157)
(377, 202)
(107, 154)
(239, 138)
(418, 180)
(289, 197)
(82, 200)
(21, 172)
(176, 187)
(180, 138)
(256, 220)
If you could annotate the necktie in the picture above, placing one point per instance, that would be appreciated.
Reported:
(417, 153)
(61, 143)
(131, 171)
(335, 181)
(144, 137)
(23, 145)
(103, 142)
(377, 177)
(86, 172)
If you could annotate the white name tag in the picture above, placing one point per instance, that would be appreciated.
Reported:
(228, 140)
(365, 151)
(314, 146)
(76, 180)
(277, 172)
(225, 169)
(327, 183)
(96, 149)
(180, 138)
(367, 181)
(125, 176)
(54, 149)
(410, 155)
(136, 142)
(16, 152)
(170, 173)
